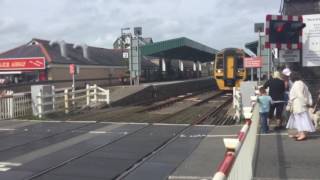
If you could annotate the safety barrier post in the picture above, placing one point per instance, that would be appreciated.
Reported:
(239, 152)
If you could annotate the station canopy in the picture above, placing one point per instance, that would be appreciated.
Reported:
(252, 46)
(180, 48)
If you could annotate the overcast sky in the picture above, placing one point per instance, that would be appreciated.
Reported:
(216, 23)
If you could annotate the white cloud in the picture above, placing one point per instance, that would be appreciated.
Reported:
(216, 23)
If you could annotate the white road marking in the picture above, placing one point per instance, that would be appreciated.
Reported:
(208, 135)
(19, 125)
(7, 129)
(286, 134)
(189, 178)
(129, 123)
(98, 132)
(164, 124)
(205, 125)
(52, 121)
(6, 166)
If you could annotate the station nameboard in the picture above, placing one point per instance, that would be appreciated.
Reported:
(253, 62)
(32, 63)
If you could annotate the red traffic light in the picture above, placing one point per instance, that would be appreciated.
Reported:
(280, 28)
(284, 32)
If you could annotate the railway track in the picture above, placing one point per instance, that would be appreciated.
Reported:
(220, 99)
(177, 110)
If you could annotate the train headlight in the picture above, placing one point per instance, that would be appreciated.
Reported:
(219, 71)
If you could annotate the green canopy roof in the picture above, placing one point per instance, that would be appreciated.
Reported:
(180, 48)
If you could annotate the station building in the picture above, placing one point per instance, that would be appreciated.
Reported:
(43, 60)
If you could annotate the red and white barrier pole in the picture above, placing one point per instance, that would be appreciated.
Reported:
(233, 147)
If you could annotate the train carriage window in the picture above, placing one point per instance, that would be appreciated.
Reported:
(219, 64)
(240, 62)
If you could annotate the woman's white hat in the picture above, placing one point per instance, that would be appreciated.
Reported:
(286, 72)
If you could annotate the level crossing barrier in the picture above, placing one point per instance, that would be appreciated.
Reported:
(70, 99)
(14, 105)
(238, 162)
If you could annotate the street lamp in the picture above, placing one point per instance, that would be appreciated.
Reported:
(122, 43)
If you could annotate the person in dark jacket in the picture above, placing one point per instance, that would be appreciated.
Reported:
(277, 92)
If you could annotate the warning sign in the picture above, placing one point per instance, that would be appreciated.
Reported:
(253, 62)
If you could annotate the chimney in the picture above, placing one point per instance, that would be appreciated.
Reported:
(63, 47)
(85, 50)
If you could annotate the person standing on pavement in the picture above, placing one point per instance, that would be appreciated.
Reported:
(300, 100)
(288, 84)
(264, 107)
(286, 78)
(276, 91)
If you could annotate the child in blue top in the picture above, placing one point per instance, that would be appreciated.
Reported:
(264, 101)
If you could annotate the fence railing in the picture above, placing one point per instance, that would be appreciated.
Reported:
(237, 104)
(20, 104)
(15, 105)
(70, 99)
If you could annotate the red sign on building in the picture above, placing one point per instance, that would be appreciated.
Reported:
(253, 62)
(22, 63)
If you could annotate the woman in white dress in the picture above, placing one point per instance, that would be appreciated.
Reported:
(299, 100)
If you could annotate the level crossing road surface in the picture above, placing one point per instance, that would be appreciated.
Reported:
(281, 157)
(95, 151)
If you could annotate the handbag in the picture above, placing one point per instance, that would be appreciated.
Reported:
(289, 107)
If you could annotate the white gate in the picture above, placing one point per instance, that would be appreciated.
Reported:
(15, 105)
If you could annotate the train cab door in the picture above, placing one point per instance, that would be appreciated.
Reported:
(230, 71)
(230, 67)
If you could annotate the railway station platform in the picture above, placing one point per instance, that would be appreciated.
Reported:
(124, 95)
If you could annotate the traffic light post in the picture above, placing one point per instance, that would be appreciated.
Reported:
(283, 32)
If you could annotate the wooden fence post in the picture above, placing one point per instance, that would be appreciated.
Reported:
(53, 98)
(39, 104)
(88, 94)
(95, 92)
(108, 96)
(66, 101)
(73, 97)
(10, 104)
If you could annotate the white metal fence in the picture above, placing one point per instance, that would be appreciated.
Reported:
(15, 105)
(243, 166)
(20, 105)
(237, 104)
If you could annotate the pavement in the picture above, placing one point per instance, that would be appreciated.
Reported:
(280, 157)
(95, 151)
